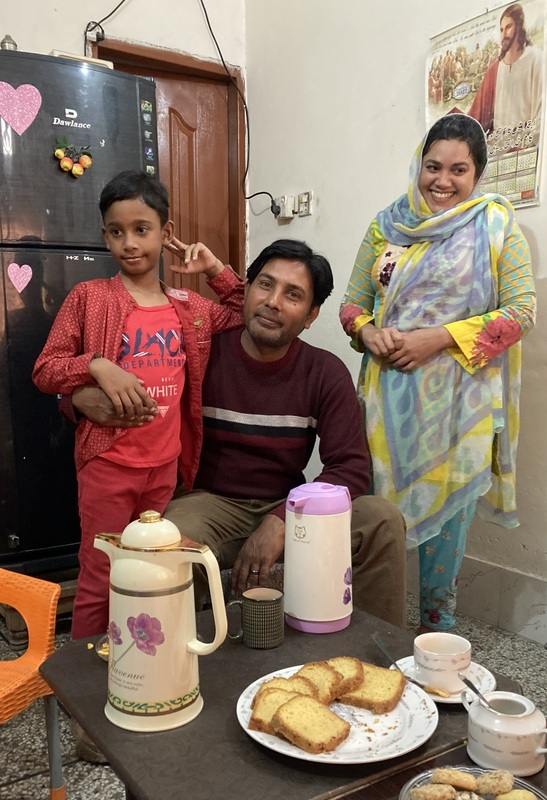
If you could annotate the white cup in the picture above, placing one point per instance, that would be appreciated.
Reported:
(438, 657)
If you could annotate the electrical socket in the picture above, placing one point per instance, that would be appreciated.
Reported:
(287, 205)
(305, 200)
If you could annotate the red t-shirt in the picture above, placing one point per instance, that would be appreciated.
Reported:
(153, 350)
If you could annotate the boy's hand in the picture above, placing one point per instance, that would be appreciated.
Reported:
(124, 389)
(197, 258)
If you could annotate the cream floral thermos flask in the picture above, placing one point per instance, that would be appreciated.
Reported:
(153, 681)
(318, 576)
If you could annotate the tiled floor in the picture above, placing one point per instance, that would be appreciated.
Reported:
(23, 751)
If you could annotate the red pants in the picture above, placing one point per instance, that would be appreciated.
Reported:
(110, 496)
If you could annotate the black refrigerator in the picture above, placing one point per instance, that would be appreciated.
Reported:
(50, 239)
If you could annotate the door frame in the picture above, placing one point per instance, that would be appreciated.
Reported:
(135, 55)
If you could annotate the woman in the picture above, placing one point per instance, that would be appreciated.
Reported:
(439, 297)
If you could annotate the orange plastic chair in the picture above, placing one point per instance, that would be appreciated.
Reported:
(20, 682)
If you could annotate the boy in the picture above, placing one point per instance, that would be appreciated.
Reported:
(146, 346)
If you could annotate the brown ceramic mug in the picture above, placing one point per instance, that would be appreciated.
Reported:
(262, 618)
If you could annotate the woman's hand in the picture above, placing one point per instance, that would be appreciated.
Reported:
(380, 341)
(419, 346)
(125, 390)
(197, 258)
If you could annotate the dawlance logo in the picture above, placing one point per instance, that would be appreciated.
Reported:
(69, 120)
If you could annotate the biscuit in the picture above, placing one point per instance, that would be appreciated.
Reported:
(517, 794)
(454, 777)
(433, 791)
(496, 782)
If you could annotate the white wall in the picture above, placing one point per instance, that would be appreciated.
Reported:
(336, 98)
(44, 25)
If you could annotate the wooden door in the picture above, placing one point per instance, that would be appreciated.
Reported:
(200, 150)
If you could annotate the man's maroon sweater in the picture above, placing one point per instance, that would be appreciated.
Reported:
(261, 420)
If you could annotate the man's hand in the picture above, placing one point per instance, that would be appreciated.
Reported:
(124, 389)
(419, 346)
(197, 258)
(380, 341)
(259, 554)
(96, 406)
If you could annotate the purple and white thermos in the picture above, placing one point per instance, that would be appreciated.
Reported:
(317, 582)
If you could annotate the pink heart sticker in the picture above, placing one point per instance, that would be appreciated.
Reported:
(19, 275)
(20, 106)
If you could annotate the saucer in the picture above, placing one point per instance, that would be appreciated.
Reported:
(481, 677)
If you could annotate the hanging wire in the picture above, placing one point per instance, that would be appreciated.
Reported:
(274, 207)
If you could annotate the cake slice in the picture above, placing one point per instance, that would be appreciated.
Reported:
(351, 670)
(293, 684)
(379, 692)
(308, 724)
(266, 704)
(324, 677)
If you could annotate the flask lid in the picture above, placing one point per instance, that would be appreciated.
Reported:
(319, 498)
(150, 530)
(150, 516)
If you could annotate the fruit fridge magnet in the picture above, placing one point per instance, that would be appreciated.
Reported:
(73, 158)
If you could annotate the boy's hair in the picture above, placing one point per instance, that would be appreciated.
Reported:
(294, 250)
(130, 184)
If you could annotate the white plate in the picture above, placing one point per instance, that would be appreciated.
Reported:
(425, 777)
(481, 677)
(373, 737)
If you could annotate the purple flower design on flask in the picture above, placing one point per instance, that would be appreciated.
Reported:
(348, 576)
(146, 632)
(347, 596)
(114, 633)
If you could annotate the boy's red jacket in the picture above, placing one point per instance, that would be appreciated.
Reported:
(91, 321)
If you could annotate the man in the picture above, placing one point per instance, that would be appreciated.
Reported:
(267, 395)
(511, 90)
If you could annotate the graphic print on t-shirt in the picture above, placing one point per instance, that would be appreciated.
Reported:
(152, 349)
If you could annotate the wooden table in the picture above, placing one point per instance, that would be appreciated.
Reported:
(388, 787)
(212, 757)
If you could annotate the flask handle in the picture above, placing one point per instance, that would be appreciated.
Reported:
(207, 558)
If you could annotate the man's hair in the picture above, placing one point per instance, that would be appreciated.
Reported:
(464, 128)
(516, 13)
(131, 184)
(294, 250)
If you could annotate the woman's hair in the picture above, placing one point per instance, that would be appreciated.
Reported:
(464, 128)
(294, 250)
